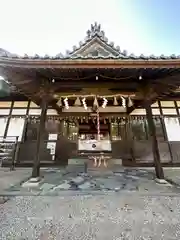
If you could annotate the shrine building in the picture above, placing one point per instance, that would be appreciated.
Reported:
(95, 99)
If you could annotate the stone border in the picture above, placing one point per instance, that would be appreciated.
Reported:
(4, 199)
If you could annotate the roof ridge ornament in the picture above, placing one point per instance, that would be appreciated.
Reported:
(59, 55)
(132, 55)
(95, 30)
(152, 56)
(163, 56)
(46, 56)
(36, 56)
(124, 52)
(68, 53)
(173, 56)
(25, 56)
(4, 53)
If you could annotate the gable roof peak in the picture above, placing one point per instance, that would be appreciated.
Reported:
(95, 38)
(95, 30)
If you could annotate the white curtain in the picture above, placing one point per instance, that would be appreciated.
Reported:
(172, 129)
(15, 129)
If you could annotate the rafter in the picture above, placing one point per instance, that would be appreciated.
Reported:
(164, 87)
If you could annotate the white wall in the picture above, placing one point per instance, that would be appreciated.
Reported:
(16, 128)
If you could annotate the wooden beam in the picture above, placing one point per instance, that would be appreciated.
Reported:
(79, 84)
(89, 114)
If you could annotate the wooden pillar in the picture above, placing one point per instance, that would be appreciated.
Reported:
(110, 131)
(68, 130)
(129, 137)
(40, 134)
(152, 132)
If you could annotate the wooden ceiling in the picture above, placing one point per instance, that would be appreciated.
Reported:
(37, 81)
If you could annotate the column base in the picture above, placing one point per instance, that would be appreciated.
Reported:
(161, 181)
(32, 182)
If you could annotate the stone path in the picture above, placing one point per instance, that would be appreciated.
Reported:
(58, 181)
(116, 217)
(10, 178)
(173, 175)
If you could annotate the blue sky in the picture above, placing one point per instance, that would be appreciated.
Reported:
(44, 26)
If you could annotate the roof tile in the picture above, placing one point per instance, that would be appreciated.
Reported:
(94, 32)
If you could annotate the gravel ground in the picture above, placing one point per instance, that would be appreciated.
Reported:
(99, 217)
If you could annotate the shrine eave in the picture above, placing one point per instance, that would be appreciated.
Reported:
(90, 63)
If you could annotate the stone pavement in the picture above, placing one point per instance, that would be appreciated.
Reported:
(58, 181)
(109, 216)
(173, 175)
(72, 179)
(10, 178)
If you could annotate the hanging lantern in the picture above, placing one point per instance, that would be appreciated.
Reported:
(130, 102)
(59, 103)
(77, 102)
(115, 101)
(95, 104)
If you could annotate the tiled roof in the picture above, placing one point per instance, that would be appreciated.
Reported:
(94, 33)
